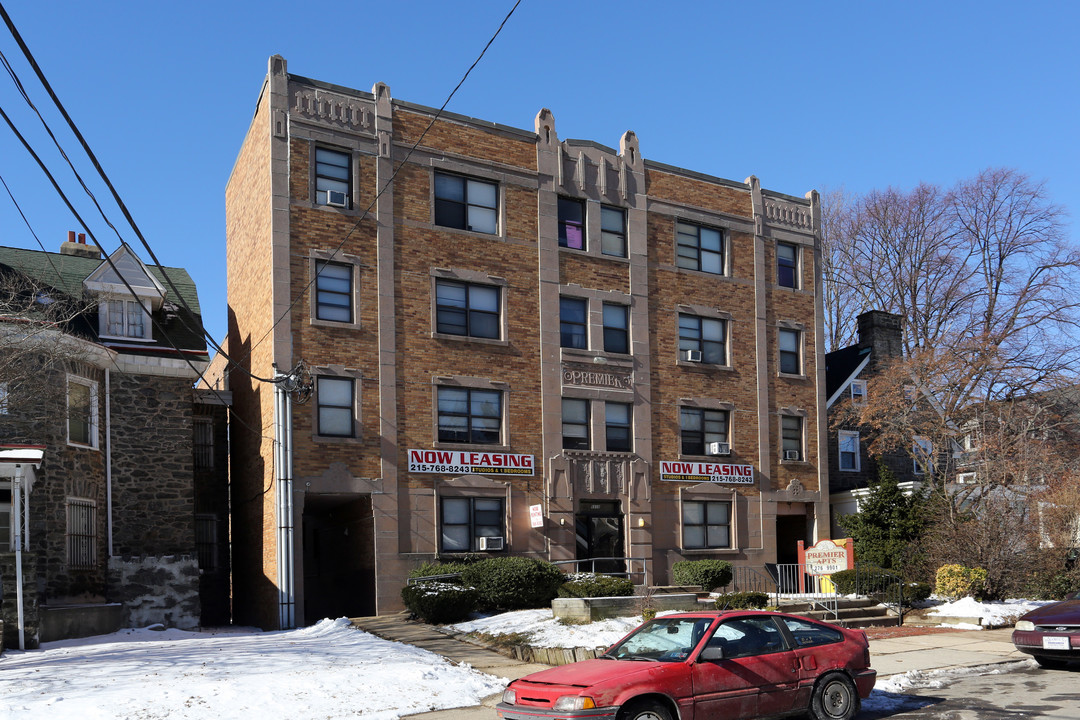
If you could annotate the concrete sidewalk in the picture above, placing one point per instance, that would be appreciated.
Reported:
(890, 656)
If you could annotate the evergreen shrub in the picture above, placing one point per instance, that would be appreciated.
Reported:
(958, 581)
(590, 585)
(440, 602)
(707, 574)
(742, 601)
(513, 583)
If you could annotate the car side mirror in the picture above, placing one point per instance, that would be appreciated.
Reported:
(711, 653)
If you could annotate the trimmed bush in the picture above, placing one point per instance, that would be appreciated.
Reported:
(742, 601)
(440, 602)
(958, 581)
(707, 574)
(590, 585)
(428, 569)
(916, 592)
(845, 582)
(513, 583)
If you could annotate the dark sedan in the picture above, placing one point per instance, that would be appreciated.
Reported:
(1051, 633)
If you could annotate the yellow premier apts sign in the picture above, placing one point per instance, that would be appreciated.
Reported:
(465, 462)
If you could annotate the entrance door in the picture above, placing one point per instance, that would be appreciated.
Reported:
(790, 529)
(599, 527)
(339, 557)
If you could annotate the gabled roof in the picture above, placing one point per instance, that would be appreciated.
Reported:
(842, 366)
(124, 266)
(68, 273)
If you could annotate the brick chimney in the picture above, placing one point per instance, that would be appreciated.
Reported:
(79, 247)
(880, 331)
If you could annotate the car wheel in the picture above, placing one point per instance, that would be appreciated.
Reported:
(834, 698)
(1051, 663)
(644, 710)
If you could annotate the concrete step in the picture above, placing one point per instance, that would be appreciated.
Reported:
(801, 606)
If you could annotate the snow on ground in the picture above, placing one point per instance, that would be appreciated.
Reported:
(541, 629)
(990, 614)
(327, 671)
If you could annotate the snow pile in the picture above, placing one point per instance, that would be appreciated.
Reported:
(541, 629)
(328, 670)
(990, 614)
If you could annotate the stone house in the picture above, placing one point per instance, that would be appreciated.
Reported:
(500, 342)
(123, 519)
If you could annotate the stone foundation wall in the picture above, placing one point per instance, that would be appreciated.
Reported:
(9, 609)
(156, 589)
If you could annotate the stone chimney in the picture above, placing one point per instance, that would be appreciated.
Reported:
(880, 331)
(79, 247)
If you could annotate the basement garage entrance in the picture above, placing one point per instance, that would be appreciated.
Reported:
(339, 557)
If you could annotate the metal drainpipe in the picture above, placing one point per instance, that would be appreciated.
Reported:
(283, 432)
(108, 462)
(16, 493)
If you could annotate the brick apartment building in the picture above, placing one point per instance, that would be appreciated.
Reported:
(529, 345)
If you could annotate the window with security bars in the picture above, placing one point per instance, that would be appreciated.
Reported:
(706, 525)
(206, 547)
(204, 443)
(81, 533)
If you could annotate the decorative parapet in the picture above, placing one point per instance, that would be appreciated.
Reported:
(329, 107)
(798, 217)
(584, 473)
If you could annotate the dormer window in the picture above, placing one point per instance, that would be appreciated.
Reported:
(123, 318)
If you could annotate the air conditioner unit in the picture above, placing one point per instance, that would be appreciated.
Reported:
(791, 454)
(718, 448)
(691, 355)
(491, 543)
(337, 198)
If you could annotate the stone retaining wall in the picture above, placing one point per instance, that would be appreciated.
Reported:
(9, 609)
(156, 589)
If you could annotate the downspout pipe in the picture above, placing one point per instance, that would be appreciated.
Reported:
(16, 492)
(283, 472)
(108, 462)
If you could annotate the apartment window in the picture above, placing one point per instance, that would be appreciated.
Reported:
(573, 323)
(123, 318)
(790, 352)
(334, 292)
(206, 545)
(706, 525)
(465, 203)
(466, 309)
(81, 533)
(705, 335)
(4, 398)
(7, 532)
(699, 248)
(471, 416)
(336, 403)
(82, 412)
(612, 231)
(791, 436)
(575, 424)
(332, 178)
(617, 419)
(787, 263)
(616, 328)
(848, 443)
(922, 450)
(571, 223)
(699, 427)
(204, 443)
(858, 391)
(466, 520)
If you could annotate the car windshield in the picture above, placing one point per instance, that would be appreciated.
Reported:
(664, 640)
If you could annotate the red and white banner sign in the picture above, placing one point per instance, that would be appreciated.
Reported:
(707, 472)
(468, 462)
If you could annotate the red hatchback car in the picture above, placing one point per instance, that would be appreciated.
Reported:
(693, 666)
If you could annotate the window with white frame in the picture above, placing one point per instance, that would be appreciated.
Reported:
(966, 478)
(706, 524)
(204, 443)
(467, 309)
(82, 412)
(791, 437)
(206, 543)
(470, 415)
(790, 351)
(335, 406)
(617, 426)
(616, 328)
(81, 533)
(699, 248)
(334, 292)
(922, 452)
(612, 231)
(333, 178)
(466, 203)
(858, 391)
(464, 520)
(571, 223)
(707, 336)
(123, 318)
(848, 442)
(575, 424)
(699, 427)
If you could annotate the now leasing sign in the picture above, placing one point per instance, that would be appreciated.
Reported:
(707, 472)
(467, 462)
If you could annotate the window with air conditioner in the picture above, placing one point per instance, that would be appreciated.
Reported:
(718, 448)
(699, 427)
(702, 339)
(470, 524)
(333, 178)
(791, 437)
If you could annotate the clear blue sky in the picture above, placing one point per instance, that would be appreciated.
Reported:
(803, 95)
